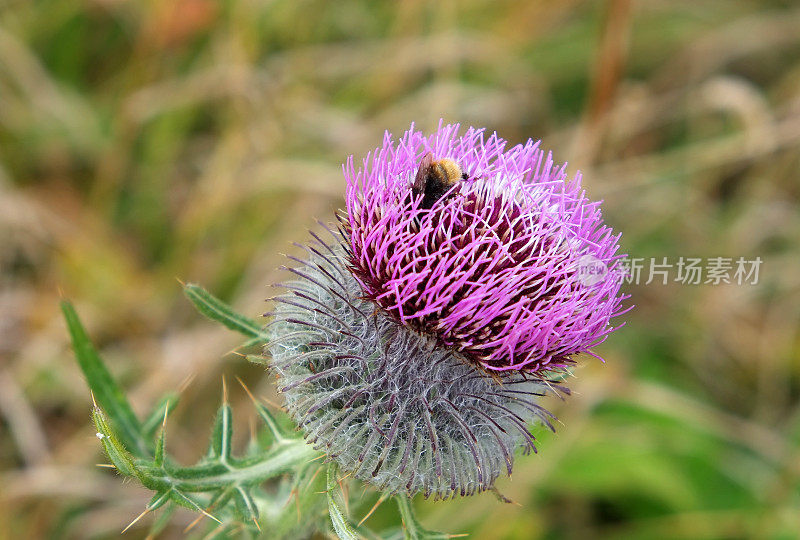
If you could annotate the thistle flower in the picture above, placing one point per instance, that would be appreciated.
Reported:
(414, 345)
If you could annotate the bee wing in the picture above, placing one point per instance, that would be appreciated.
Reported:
(422, 174)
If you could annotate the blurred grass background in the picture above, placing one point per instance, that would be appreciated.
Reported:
(146, 141)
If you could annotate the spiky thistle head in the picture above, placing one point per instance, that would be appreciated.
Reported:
(415, 345)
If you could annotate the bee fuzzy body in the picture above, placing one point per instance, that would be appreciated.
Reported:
(435, 178)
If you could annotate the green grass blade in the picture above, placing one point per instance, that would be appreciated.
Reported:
(217, 310)
(107, 393)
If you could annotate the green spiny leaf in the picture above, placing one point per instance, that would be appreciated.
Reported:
(115, 450)
(108, 394)
(217, 310)
(212, 475)
(220, 499)
(256, 358)
(278, 432)
(344, 530)
(158, 500)
(223, 433)
(222, 487)
(187, 501)
(161, 443)
(245, 505)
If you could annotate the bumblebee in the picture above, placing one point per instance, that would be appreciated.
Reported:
(435, 178)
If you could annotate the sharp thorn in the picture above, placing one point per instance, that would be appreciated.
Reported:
(289, 499)
(372, 510)
(272, 403)
(314, 477)
(235, 350)
(191, 525)
(247, 390)
(252, 426)
(346, 495)
(131, 524)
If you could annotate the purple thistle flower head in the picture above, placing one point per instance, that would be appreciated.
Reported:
(455, 257)
(494, 256)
